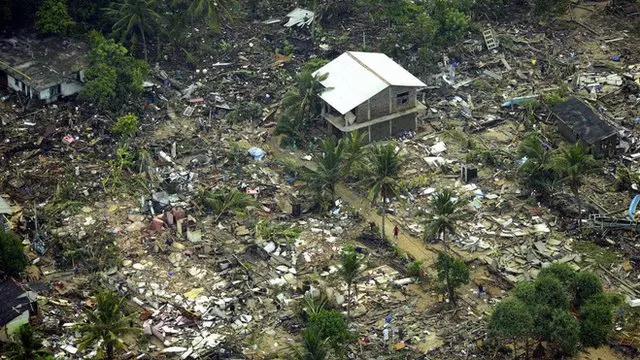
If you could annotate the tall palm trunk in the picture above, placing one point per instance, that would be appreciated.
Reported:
(144, 44)
(452, 296)
(576, 194)
(444, 241)
(349, 300)
(384, 215)
(109, 353)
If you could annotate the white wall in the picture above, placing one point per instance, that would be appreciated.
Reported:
(44, 94)
(12, 84)
(70, 88)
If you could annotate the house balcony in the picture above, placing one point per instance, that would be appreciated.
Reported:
(339, 121)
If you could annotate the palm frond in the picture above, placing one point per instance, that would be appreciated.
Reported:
(223, 201)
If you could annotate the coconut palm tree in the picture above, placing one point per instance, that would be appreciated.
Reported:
(106, 324)
(444, 208)
(573, 163)
(536, 170)
(134, 17)
(353, 150)
(28, 346)
(350, 271)
(329, 171)
(381, 174)
(304, 100)
(211, 11)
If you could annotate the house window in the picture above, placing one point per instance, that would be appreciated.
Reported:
(54, 91)
(402, 98)
(16, 82)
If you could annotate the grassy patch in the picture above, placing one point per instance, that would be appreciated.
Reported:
(602, 256)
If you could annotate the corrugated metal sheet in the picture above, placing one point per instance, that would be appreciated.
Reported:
(355, 77)
(387, 69)
(349, 83)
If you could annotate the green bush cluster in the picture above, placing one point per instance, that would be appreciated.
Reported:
(12, 257)
(126, 125)
(543, 310)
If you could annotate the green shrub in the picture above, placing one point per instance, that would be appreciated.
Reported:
(330, 325)
(585, 286)
(12, 257)
(596, 319)
(250, 111)
(510, 321)
(126, 125)
(551, 292)
(452, 273)
(565, 331)
(53, 17)
(545, 8)
(562, 272)
(414, 269)
(314, 64)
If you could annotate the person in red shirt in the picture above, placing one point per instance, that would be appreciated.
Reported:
(396, 231)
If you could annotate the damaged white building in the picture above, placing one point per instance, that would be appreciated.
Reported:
(42, 69)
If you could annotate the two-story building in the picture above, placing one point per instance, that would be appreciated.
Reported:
(42, 69)
(369, 93)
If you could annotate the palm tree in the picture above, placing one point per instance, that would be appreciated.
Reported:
(353, 146)
(28, 346)
(107, 324)
(211, 11)
(134, 16)
(304, 101)
(536, 169)
(444, 208)
(329, 170)
(350, 271)
(222, 201)
(381, 174)
(314, 347)
(573, 163)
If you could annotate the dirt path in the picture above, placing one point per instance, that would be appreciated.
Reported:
(413, 246)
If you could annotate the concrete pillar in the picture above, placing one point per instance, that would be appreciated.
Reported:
(369, 109)
(390, 101)
(390, 129)
(369, 128)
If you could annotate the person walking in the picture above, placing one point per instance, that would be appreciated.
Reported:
(396, 231)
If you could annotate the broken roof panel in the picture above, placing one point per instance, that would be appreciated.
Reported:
(583, 121)
(354, 77)
(299, 17)
(5, 208)
(387, 69)
(13, 302)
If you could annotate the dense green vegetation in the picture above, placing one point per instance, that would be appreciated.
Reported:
(545, 310)
(12, 257)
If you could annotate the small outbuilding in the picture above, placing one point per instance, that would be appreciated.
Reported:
(579, 122)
